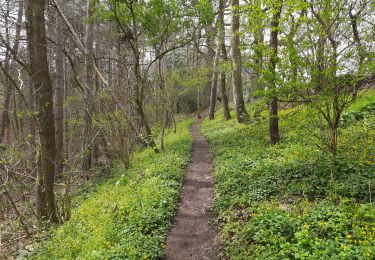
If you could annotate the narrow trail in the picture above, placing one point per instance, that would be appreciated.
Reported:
(192, 236)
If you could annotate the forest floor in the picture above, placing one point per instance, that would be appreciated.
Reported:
(293, 200)
(192, 235)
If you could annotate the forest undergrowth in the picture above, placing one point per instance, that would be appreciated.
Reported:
(292, 200)
(127, 216)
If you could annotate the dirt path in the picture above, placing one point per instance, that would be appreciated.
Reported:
(192, 236)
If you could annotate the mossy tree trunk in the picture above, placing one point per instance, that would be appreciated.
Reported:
(274, 44)
(242, 115)
(37, 49)
(59, 95)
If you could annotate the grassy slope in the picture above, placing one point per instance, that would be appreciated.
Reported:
(126, 217)
(279, 202)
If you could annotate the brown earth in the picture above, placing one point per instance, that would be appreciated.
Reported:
(192, 236)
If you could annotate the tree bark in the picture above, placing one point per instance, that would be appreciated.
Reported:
(274, 122)
(319, 73)
(163, 127)
(361, 51)
(210, 57)
(36, 44)
(213, 95)
(220, 51)
(5, 121)
(258, 34)
(273, 107)
(223, 50)
(241, 112)
(59, 96)
(32, 124)
(90, 85)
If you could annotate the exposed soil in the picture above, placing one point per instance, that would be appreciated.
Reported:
(192, 236)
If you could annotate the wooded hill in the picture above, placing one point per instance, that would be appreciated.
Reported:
(95, 101)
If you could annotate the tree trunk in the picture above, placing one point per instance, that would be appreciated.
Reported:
(274, 122)
(5, 121)
(163, 127)
(59, 96)
(4, 125)
(220, 49)
(149, 140)
(258, 53)
(361, 51)
(32, 124)
(36, 44)
(212, 58)
(221, 39)
(242, 114)
(273, 107)
(213, 96)
(318, 76)
(199, 107)
(90, 85)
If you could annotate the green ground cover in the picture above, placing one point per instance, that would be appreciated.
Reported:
(127, 216)
(292, 200)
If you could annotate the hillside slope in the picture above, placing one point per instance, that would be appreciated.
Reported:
(128, 216)
(292, 201)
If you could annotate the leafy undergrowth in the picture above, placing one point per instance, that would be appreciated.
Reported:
(126, 217)
(291, 201)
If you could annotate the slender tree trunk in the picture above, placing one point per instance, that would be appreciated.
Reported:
(37, 43)
(5, 121)
(242, 114)
(139, 106)
(210, 57)
(361, 51)
(215, 56)
(258, 43)
(199, 107)
(223, 50)
(59, 96)
(95, 152)
(273, 107)
(332, 121)
(149, 140)
(163, 127)
(219, 47)
(16, 122)
(4, 125)
(32, 124)
(274, 122)
(110, 73)
(164, 100)
(90, 85)
(139, 89)
(213, 96)
(319, 75)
